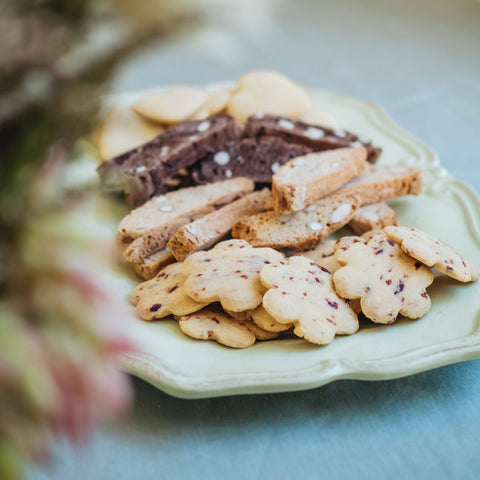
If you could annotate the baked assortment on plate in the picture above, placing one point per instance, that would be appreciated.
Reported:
(234, 201)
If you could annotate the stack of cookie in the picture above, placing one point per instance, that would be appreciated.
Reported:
(237, 294)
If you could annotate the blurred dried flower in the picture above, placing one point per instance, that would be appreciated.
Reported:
(60, 332)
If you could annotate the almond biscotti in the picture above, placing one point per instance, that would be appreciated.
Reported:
(305, 179)
(148, 228)
(299, 230)
(141, 172)
(206, 231)
(372, 217)
(378, 183)
(152, 264)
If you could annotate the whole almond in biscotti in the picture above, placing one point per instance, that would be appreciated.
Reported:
(267, 92)
(302, 180)
(148, 228)
(378, 183)
(208, 230)
(229, 274)
(433, 252)
(213, 325)
(123, 130)
(387, 281)
(301, 292)
(171, 106)
(152, 264)
(299, 230)
(372, 217)
(164, 295)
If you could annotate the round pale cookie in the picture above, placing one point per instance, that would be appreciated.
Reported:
(217, 101)
(229, 274)
(267, 92)
(320, 119)
(386, 280)
(164, 295)
(265, 321)
(171, 106)
(201, 114)
(123, 130)
(433, 252)
(212, 325)
(301, 292)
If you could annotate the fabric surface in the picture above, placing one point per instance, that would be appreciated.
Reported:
(420, 61)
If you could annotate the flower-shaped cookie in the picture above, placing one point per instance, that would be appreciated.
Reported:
(265, 321)
(228, 273)
(301, 292)
(164, 295)
(387, 281)
(209, 324)
(433, 252)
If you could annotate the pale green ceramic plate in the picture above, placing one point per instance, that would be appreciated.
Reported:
(449, 333)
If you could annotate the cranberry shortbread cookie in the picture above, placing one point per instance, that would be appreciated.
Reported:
(301, 292)
(164, 295)
(387, 280)
(433, 252)
(229, 274)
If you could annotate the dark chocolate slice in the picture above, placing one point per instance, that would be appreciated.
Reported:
(145, 170)
(255, 158)
(317, 138)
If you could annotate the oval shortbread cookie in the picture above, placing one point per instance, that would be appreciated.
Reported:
(123, 130)
(433, 252)
(229, 274)
(387, 281)
(320, 119)
(267, 92)
(301, 292)
(171, 106)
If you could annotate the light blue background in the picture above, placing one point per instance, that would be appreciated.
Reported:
(420, 61)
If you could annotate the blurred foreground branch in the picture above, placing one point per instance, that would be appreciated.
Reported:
(59, 335)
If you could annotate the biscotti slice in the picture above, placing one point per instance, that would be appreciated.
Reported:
(305, 179)
(148, 228)
(299, 230)
(371, 217)
(208, 230)
(255, 158)
(317, 138)
(141, 172)
(378, 183)
(152, 264)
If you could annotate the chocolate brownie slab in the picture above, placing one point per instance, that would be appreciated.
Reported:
(255, 158)
(143, 171)
(315, 137)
